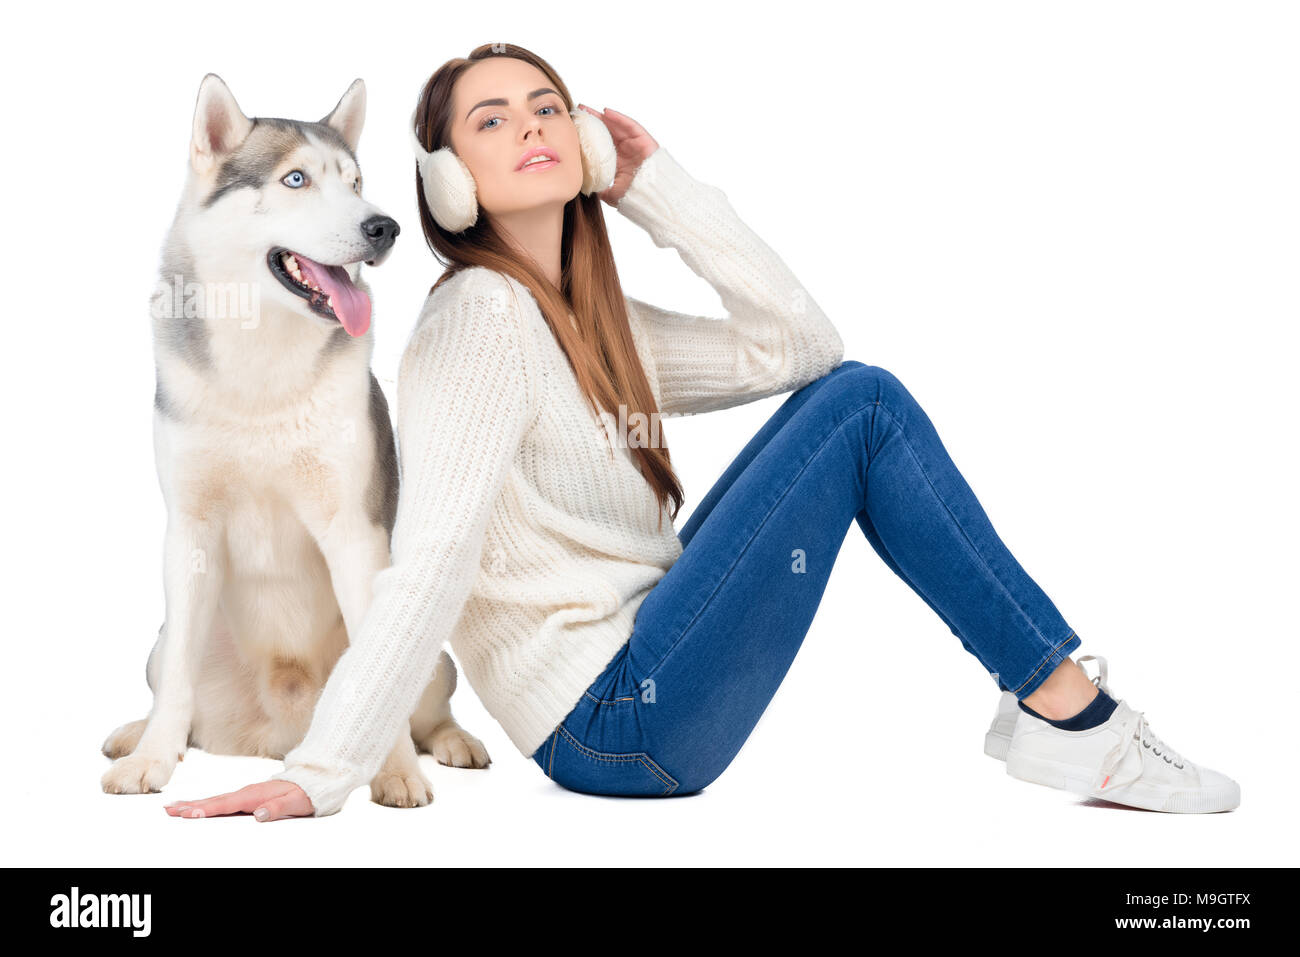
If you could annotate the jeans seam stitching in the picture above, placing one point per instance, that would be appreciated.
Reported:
(640, 757)
(1051, 655)
(592, 697)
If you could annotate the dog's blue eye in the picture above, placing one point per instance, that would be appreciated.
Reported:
(295, 179)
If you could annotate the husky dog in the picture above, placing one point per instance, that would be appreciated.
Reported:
(274, 449)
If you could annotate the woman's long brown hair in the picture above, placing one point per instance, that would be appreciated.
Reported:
(601, 351)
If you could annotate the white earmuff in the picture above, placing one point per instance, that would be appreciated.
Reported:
(449, 186)
(599, 158)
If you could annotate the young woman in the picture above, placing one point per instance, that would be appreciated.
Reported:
(621, 656)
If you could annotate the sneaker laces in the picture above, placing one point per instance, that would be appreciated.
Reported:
(1135, 728)
(1100, 680)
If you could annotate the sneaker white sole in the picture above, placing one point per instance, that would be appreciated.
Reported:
(1066, 777)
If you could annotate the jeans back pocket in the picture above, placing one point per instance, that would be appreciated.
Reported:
(573, 765)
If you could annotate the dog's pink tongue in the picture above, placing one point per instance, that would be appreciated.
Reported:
(349, 303)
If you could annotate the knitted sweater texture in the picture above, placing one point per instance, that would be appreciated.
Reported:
(525, 534)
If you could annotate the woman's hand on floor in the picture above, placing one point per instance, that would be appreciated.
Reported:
(632, 144)
(279, 799)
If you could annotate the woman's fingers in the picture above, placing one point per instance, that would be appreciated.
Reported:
(280, 798)
(619, 124)
(624, 124)
(227, 803)
(291, 802)
(621, 128)
(632, 144)
(290, 805)
(615, 134)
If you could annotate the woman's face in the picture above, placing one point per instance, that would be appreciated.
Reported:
(503, 110)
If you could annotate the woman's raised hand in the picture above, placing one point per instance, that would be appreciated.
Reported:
(632, 143)
(278, 798)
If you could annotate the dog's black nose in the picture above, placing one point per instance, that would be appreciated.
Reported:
(381, 230)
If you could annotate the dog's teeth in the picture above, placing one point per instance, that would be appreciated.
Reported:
(291, 267)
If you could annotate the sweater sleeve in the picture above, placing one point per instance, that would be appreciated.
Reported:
(465, 400)
(774, 339)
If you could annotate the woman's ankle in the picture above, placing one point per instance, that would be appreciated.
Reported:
(1065, 692)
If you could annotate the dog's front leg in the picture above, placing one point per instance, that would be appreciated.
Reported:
(193, 574)
(400, 782)
(355, 551)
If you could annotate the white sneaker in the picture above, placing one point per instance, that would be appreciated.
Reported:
(998, 737)
(1120, 760)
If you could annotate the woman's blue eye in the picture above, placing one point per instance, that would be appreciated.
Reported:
(484, 124)
(295, 179)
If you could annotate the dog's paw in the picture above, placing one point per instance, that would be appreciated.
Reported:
(455, 747)
(137, 774)
(401, 788)
(123, 741)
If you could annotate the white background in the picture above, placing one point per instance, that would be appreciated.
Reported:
(1070, 229)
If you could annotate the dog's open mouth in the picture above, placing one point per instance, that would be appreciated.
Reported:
(328, 289)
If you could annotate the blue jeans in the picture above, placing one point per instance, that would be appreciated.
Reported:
(716, 635)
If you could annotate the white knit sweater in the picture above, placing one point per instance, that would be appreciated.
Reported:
(524, 534)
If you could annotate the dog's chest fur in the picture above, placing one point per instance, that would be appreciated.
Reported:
(267, 446)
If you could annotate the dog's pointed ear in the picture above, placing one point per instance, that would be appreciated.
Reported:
(219, 124)
(350, 114)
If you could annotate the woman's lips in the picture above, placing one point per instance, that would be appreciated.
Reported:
(544, 164)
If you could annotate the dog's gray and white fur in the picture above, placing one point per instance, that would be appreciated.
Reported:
(275, 456)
